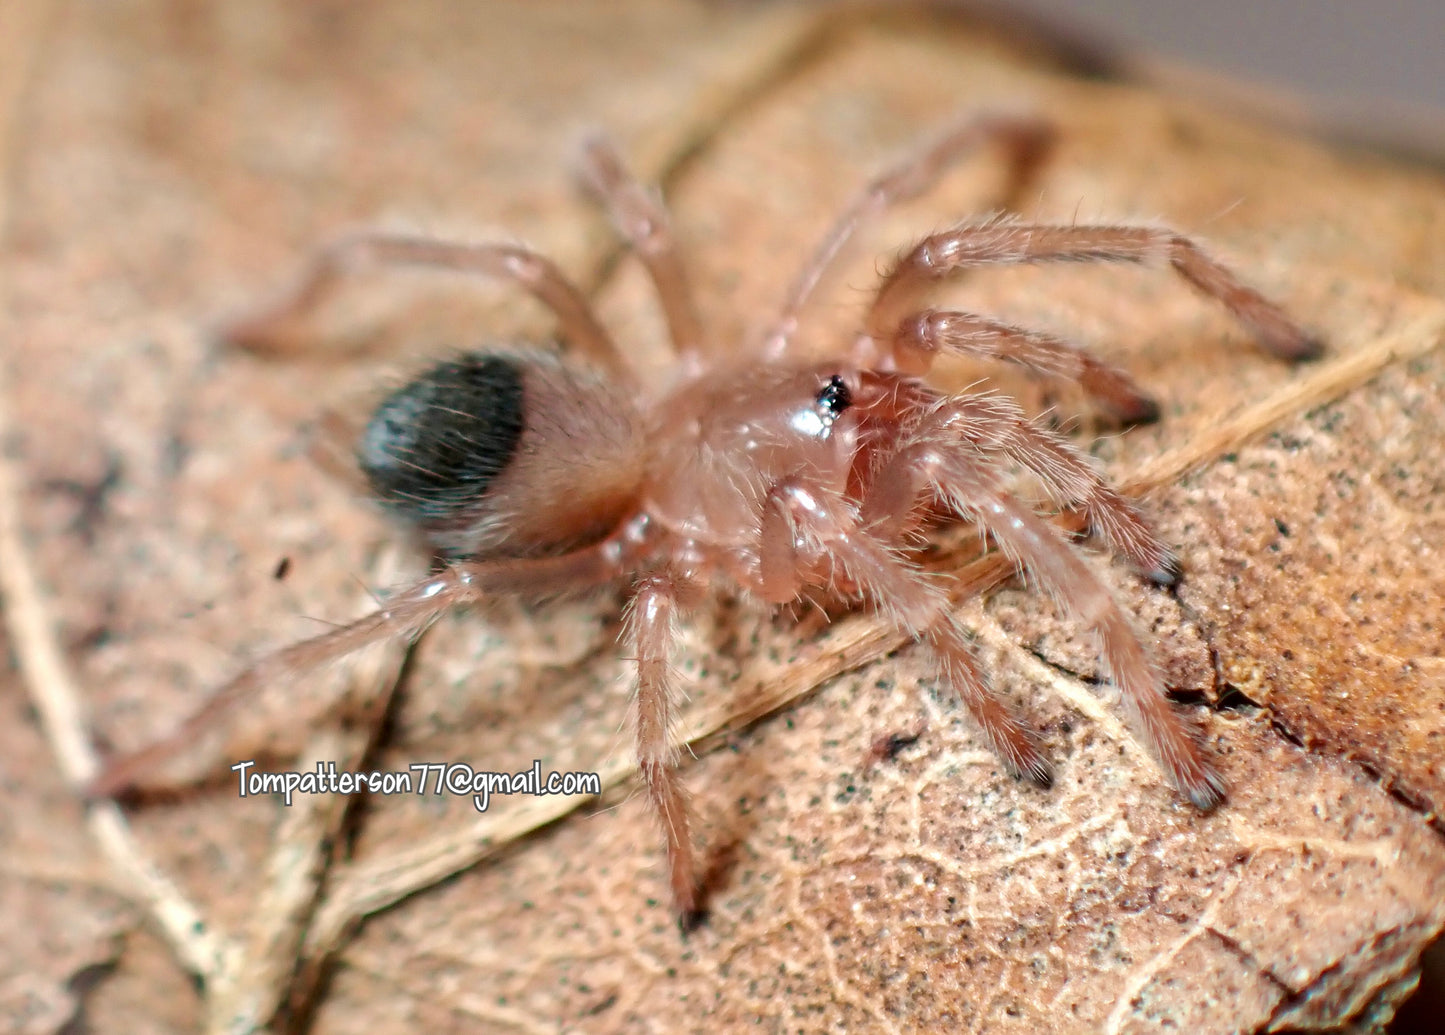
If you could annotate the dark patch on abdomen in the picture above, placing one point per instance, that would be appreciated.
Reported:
(434, 447)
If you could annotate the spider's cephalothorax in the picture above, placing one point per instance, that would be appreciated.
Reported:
(540, 475)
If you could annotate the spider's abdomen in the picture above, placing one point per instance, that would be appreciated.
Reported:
(505, 453)
(434, 446)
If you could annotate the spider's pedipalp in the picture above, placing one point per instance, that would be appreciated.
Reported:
(1004, 242)
(830, 528)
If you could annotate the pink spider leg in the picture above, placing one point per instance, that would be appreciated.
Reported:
(800, 520)
(406, 615)
(643, 221)
(534, 273)
(1005, 242)
(914, 343)
(651, 625)
(993, 424)
(959, 480)
(1025, 140)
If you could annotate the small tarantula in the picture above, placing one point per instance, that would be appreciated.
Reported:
(539, 474)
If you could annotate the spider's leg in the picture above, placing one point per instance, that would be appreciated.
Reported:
(1006, 242)
(651, 628)
(405, 616)
(1026, 141)
(954, 476)
(916, 604)
(992, 425)
(920, 337)
(1011, 739)
(534, 273)
(643, 221)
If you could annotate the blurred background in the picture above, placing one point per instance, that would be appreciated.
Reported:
(1373, 73)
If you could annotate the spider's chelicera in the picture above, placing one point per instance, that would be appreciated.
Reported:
(539, 474)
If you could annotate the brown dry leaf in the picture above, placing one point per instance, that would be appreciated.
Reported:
(172, 162)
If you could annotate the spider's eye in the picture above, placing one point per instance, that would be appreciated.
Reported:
(835, 397)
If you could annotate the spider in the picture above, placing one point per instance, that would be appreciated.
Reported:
(539, 473)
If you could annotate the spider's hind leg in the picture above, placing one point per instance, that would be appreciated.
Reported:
(405, 615)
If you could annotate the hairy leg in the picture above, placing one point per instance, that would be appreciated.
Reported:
(406, 615)
(1036, 546)
(914, 601)
(643, 221)
(534, 273)
(651, 628)
(1005, 242)
(1025, 140)
(993, 425)
(1011, 739)
(920, 337)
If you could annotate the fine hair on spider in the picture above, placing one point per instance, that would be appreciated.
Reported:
(540, 474)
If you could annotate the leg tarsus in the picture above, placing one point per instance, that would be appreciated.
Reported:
(1167, 574)
(1011, 739)
(690, 921)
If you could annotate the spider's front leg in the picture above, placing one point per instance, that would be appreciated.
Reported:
(967, 484)
(1007, 243)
